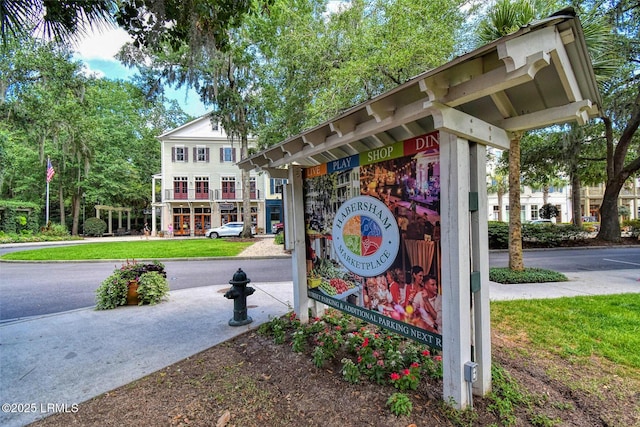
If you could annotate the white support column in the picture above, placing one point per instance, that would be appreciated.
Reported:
(110, 228)
(192, 220)
(456, 268)
(153, 220)
(297, 237)
(480, 264)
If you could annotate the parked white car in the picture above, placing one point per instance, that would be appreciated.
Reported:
(230, 229)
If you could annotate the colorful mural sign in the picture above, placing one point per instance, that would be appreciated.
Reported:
(373, 236)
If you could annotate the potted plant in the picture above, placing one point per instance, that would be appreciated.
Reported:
(133, 283)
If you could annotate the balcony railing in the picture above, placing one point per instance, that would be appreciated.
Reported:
(211, 196)
(599, 192)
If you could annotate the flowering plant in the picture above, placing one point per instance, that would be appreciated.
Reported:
(407, 379)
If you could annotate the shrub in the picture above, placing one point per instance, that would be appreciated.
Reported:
(550, 235)
(94, 227)
(528, 275)
(548, 211)
(279, 239)
(55, 230)
(498, 235)
(633, 225)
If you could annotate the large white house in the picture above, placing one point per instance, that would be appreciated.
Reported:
(532, 200)
(201, 186)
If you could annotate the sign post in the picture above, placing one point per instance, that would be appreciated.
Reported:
(427, 275)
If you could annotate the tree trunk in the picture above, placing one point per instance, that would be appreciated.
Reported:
(575, 199)
(75, 212)
(61, 203)
(515, 224)
(500, 196)
(246, 193)
(609, 219)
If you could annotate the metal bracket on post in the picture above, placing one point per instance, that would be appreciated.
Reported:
(475, 281)
(473, 201)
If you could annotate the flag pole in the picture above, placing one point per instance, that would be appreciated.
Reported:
(50, 173)
(46, 219)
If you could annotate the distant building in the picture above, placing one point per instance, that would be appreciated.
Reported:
(201, 186)
(590, 200)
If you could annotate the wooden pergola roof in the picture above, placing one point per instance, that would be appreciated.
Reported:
(536, 77)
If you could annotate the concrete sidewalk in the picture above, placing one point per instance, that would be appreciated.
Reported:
(67, 358)
(579, 284)
(70, 357)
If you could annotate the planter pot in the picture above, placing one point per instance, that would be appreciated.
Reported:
(132, 293)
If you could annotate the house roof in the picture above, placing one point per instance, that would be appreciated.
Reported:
(536, 77)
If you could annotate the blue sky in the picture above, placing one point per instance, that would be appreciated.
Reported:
(97, 51)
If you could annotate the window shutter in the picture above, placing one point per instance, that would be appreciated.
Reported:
(206, 154)
(173, 154)
(221, 154)
(186, 154)
(195, 154)
(234, 155)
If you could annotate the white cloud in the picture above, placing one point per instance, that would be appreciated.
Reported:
(87, 71)
(102, 44)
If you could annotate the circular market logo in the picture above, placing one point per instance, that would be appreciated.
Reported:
(365, 236)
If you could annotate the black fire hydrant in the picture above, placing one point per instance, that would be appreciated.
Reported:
(238, 293)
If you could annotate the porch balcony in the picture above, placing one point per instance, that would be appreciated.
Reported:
(216, 195)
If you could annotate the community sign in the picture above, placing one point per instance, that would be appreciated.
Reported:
(372, 225)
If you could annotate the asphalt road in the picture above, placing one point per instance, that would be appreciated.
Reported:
(30, 289)
(575, 260)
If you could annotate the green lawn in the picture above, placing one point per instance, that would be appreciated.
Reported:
(606, 326)
(142, 249)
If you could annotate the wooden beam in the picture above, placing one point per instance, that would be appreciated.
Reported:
(576, 111)
(381, 110)
(465, 126)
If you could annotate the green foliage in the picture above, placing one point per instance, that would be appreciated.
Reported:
(326, 62)
(152, 285)
(550, 235)
(100, 134)
(350, 371)
(498, 235)
(364, 351)
(407, 379)
(535, 235)
(633, 225)
(279, 239)
(19, 216)
(578, 329)
(112, 292)
(55, 230)
(506, 394)
(95, 227)
(400, 404)
(528, 275)
(548, 211)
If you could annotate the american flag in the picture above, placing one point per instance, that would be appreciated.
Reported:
(50, 170)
